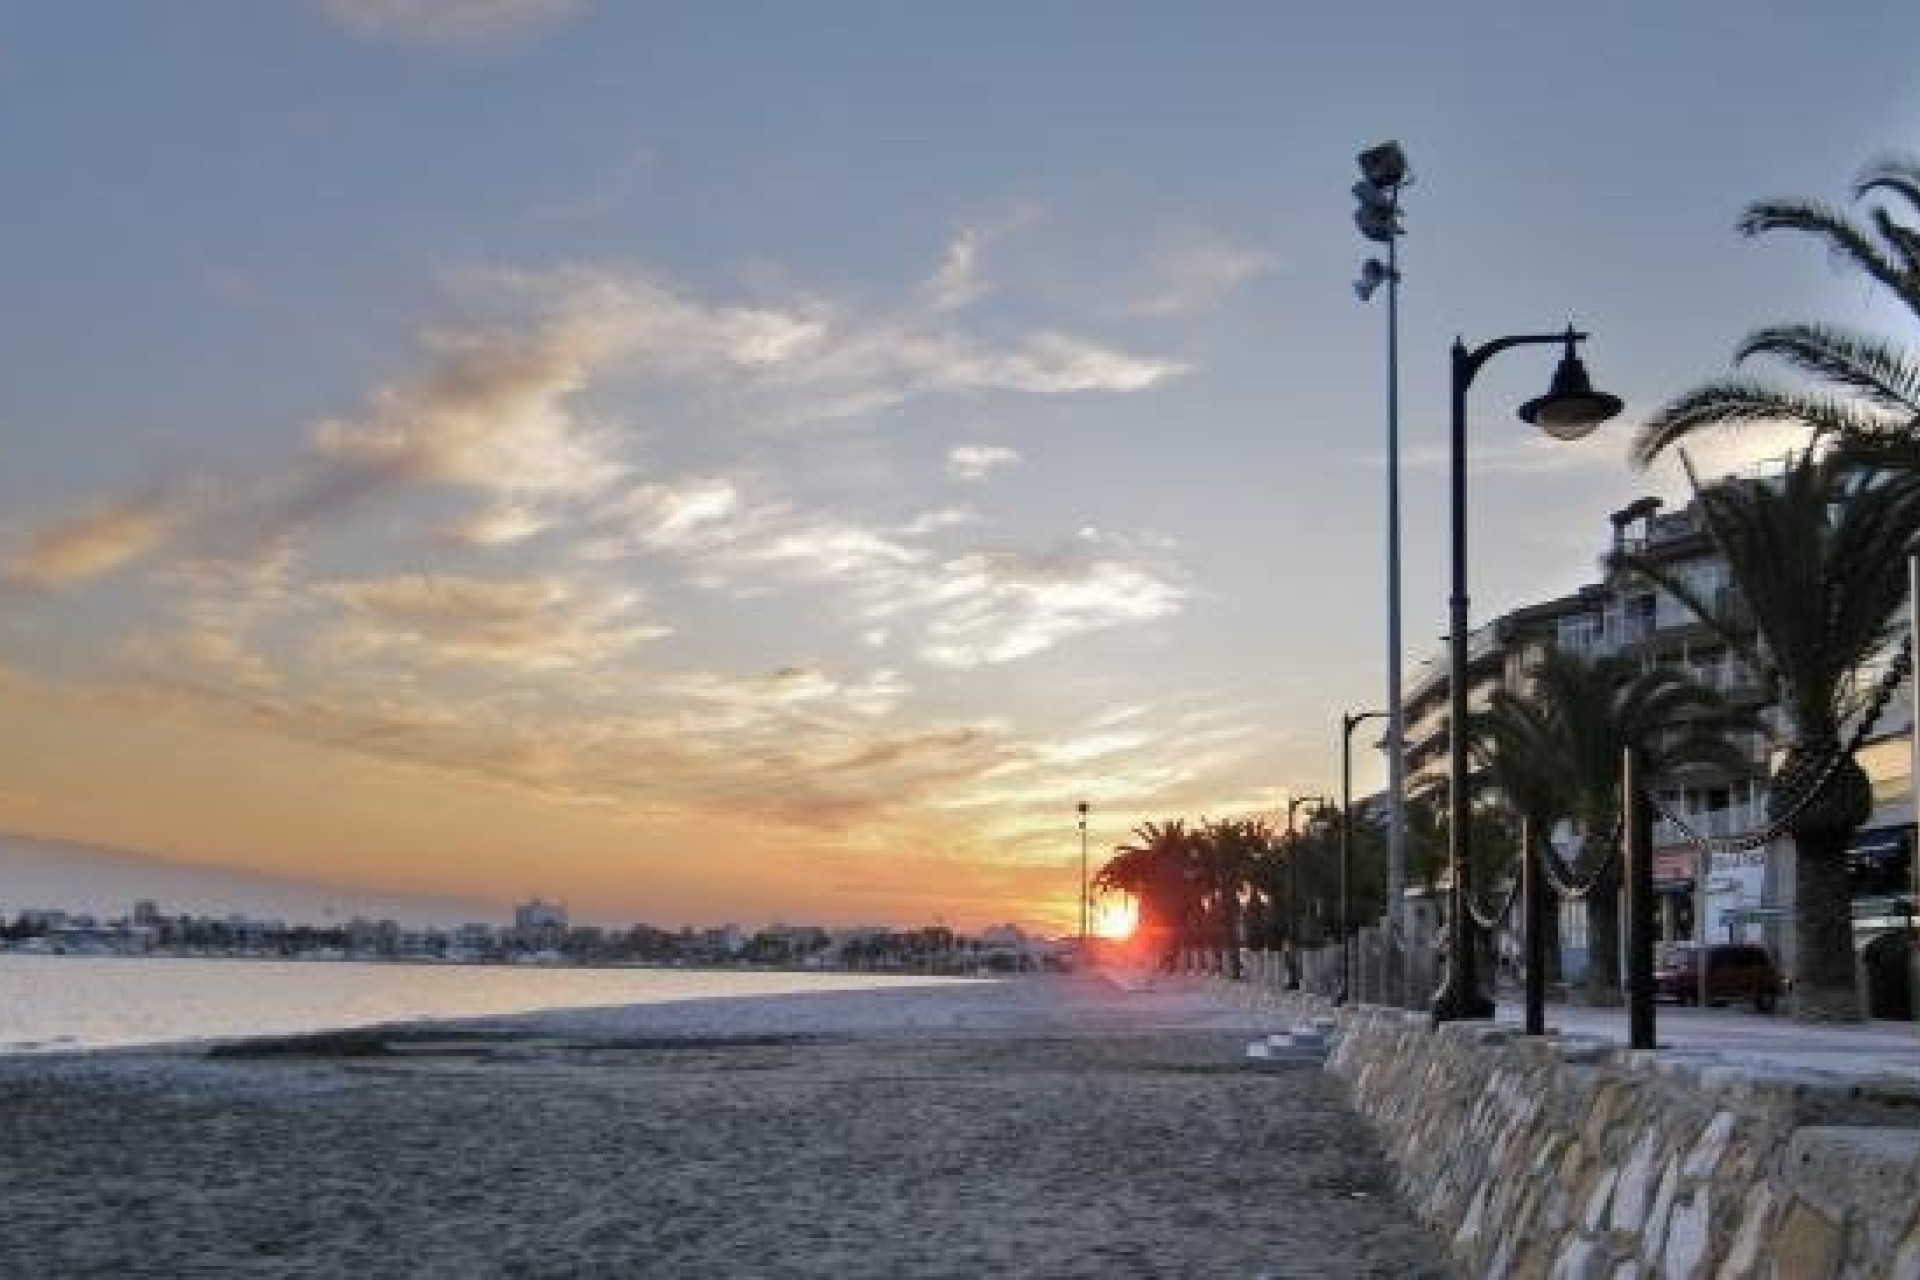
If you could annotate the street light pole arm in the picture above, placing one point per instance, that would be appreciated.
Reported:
(1467, 361)
(1351, 721)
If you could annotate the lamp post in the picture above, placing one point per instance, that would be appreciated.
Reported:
(1570, 409)
(1349, 721)
(1384, 174)
(1293, 888)
(1085, 901)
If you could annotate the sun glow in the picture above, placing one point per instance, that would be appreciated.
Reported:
(1115, 918)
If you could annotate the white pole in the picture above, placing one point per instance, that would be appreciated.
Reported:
(1396, 727)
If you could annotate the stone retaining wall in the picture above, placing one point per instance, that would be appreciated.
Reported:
(1543, 1157)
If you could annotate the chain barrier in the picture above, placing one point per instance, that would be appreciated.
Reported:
(1559, 879)
(1492, 921)
(1711, 846)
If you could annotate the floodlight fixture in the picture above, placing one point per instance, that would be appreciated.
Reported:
(1385, 165)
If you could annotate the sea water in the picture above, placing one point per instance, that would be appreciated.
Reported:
(55, 1003)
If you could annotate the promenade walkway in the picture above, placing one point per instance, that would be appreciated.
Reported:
(1739, 1037)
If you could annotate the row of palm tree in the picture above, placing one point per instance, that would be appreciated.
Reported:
(1220, 885)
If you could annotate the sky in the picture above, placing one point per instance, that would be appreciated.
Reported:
(750, 461)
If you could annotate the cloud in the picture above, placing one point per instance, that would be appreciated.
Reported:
(489, 411)
(995, 607)
(785, 696)
(958, 281)
(451, 22)
(532, 623)
(498, 526)
(680, 515)
(971, 607)
(1199, 276)
(805, 360)
(970, 462)
(1524, 453)
(93, 542)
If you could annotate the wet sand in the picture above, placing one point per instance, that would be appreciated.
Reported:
(1044, 1127)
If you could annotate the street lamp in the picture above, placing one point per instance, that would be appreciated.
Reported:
(1293, 887)
(1570, 409)
(1085, 900)
(1349, 721)
(1383, 175)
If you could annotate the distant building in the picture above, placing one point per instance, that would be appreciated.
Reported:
(537, 915)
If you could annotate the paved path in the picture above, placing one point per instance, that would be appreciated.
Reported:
(1740, 1037)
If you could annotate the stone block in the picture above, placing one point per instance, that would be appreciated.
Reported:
(1689, 1244)
(1655, 1232)
(1595, 1196)
(1864, 1178)
(1806, 1247)
(1636, 1184)
(1712, 1144)
(1580, 1260)
(1755, 1233)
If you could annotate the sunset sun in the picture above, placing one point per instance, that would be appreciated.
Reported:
(1115, 919)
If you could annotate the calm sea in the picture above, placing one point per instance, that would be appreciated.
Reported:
(51, 1003)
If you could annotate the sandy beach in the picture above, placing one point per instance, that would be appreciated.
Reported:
(1044, 1127)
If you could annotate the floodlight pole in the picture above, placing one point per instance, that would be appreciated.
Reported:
(1388, 184)
(1396, 716)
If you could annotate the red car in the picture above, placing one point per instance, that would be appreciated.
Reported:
(1735, 971)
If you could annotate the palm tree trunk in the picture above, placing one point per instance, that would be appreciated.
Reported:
(1824, 985)
(1603, 937)
(1230, 933)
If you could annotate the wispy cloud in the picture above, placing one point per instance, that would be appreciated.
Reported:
(803, 359)
(995, 607)
(1198, 276)
(971, 462)
(95, 541)
(970, 606)
(958, 280)
(454, 22)
(531, 623)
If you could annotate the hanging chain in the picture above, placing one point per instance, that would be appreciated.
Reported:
(1897, 671)
(1560, 880)
(1490, 922)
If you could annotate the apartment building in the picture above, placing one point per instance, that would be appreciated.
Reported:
(1744, 895)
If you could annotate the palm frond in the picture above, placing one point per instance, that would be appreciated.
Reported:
(1862, 363)
(1844, 239)
(1896, 174)
(1737, 402)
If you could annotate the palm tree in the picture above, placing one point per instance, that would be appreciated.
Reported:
(1159, 872)
(1820, 563)
(1570, 732)
(1517, 743)
(1866, 390)
(1228, 851)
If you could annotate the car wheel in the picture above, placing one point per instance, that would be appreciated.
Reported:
(1764, 1002)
